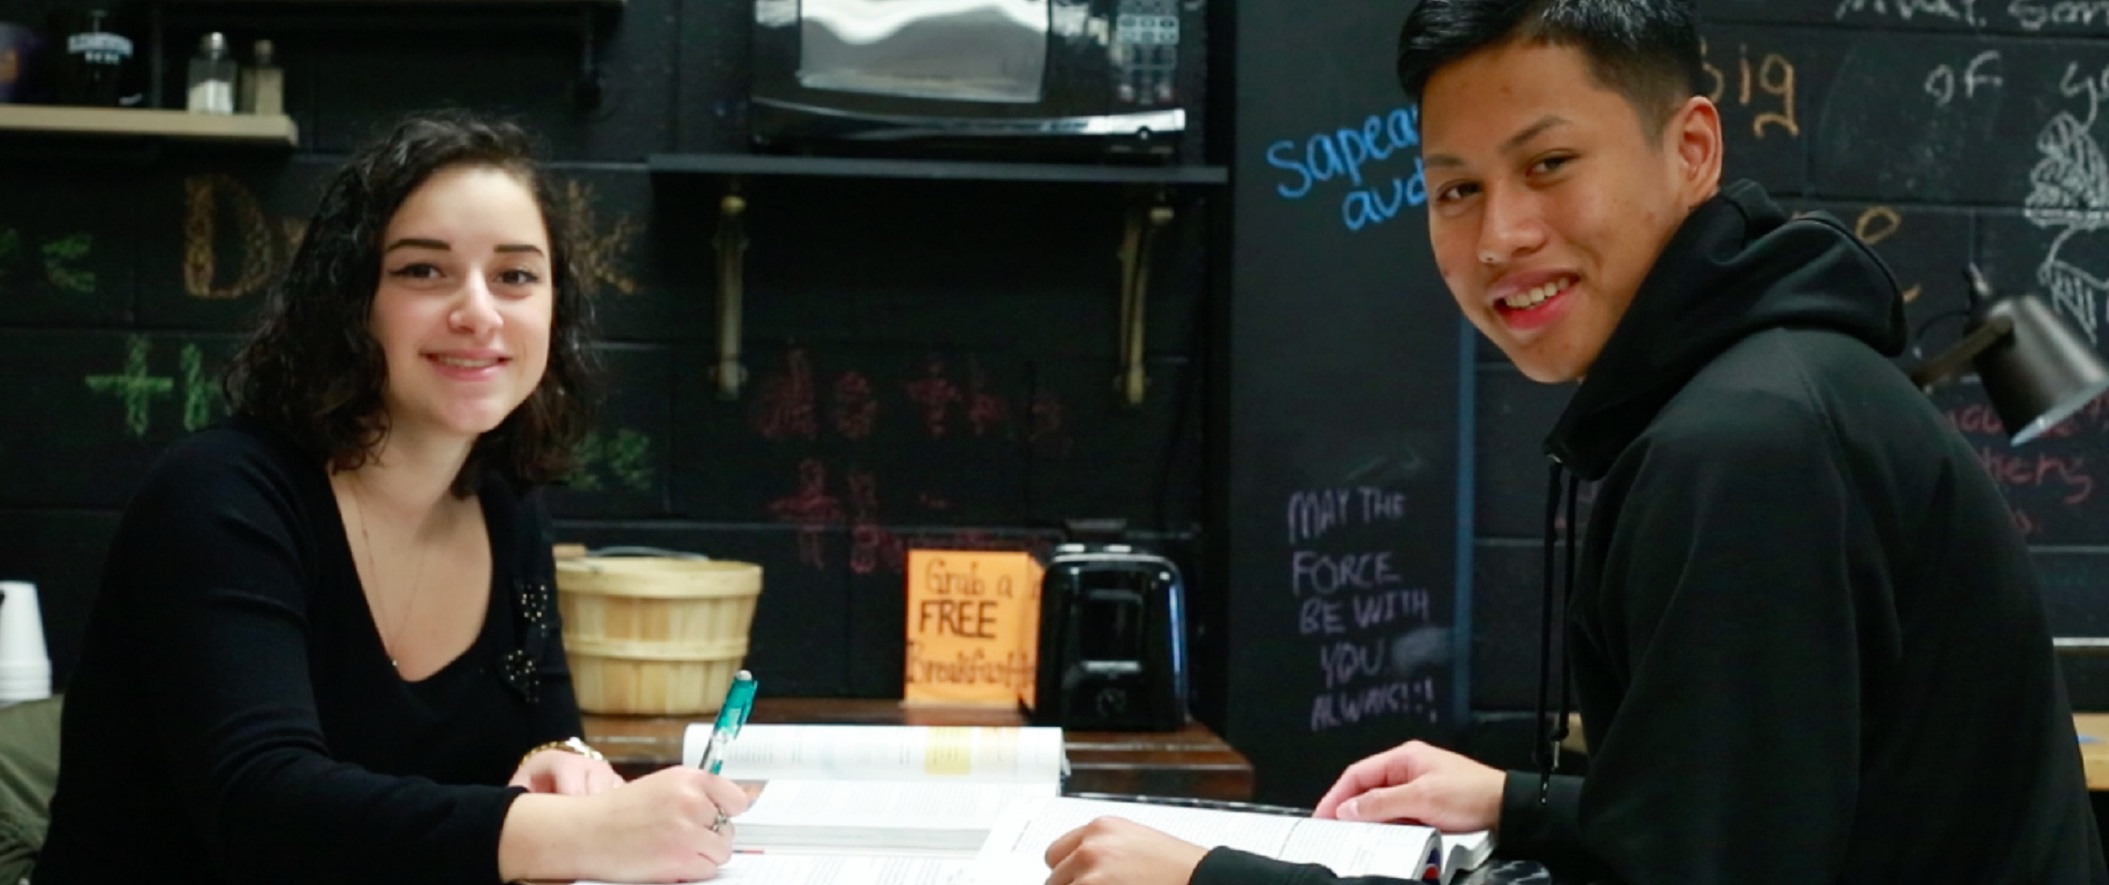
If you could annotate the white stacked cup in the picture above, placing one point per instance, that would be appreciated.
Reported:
(25, 668)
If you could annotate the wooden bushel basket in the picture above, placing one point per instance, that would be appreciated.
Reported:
(650, 635)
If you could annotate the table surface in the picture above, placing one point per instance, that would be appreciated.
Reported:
(2094, 747)
(1191, 762)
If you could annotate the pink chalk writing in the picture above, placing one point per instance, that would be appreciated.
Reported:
(2066, 475)
(936, 393)
(784, 405)
(986, 411)
(856, 407)
(871, 545)
(810, 508)
(1048, 436)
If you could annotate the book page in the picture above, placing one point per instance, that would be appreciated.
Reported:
(835, 869)
(892, 804)
(1353, 849)
(885, 752)
(880, 815)
(1466, 851)
(1017, 845)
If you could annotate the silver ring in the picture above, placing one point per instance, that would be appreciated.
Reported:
(718, 825)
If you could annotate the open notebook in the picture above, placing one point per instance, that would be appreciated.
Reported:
(1017, 844)
(871, 789)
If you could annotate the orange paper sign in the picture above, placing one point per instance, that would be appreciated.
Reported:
(973, 627)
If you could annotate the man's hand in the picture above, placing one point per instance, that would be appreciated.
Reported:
(565, 773)
(1112, 851)
(1420, 783)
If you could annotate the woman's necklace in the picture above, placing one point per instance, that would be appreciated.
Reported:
(394, 633)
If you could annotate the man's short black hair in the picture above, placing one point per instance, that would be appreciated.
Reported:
(1646, 50)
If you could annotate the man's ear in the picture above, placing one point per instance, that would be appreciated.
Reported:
(1695, 136)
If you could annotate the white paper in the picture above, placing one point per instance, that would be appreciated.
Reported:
(1017, 845)
(897, 815)
(834, 869)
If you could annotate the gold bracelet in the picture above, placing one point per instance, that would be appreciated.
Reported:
(568, 745)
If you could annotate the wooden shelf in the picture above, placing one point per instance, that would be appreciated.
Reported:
(932, 170)
(182, 125)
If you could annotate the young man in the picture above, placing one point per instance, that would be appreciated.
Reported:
(1805, 636)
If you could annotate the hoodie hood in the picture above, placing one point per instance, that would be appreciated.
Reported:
(1737, 266)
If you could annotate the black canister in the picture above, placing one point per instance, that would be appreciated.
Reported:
(94, 60)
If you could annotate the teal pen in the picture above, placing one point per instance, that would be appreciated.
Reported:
(739, 702)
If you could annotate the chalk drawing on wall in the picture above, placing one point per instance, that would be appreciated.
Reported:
(62, 259)
(60, 255)
(266, 241)
(603, 249)
(2069, 193)
(134, 386)
(137, 388)
(622, 460)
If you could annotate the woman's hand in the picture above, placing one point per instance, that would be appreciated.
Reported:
(663, 827)
(565, 773)
(1112, 851)
(1421, 783)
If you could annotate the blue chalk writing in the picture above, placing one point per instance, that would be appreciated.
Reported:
(1346, 154)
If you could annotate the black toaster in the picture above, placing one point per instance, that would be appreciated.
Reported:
(1112, 653)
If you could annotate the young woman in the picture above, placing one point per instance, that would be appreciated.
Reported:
(326, 647)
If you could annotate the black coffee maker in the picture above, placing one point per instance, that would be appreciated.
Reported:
(1112, 641)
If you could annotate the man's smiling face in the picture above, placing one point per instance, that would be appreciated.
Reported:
(1550, 198)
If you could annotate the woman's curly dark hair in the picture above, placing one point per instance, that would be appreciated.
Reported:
(314, 371)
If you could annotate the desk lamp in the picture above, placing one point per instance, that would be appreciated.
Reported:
(2036, 370)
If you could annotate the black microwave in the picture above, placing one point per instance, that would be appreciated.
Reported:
(1099, 77)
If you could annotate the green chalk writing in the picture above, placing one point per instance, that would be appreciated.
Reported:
(197, 389)
(10, 250)
(623, 460)
(59, 258)
(134, 387)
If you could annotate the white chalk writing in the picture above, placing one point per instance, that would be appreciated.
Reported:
(1942, 82)
(2033, 15)
(1964, 11)
(1313, 514)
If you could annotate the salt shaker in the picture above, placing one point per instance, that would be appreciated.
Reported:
(212, 75)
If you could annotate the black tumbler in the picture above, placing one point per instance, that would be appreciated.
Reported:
(93, 60)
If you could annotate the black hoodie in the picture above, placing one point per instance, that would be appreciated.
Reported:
(1805, 635)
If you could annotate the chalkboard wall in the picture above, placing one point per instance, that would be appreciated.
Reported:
(1341, 406)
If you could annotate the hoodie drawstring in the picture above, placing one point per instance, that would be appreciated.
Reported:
(1554, 731)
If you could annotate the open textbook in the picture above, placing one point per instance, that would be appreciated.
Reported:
(883, 789)
(1015, 851)
(920, 805)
